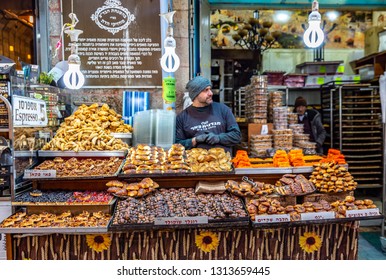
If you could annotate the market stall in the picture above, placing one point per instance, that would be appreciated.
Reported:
(94, 197)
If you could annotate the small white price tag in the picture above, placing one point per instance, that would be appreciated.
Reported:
(264, 129)
(170, 221)
(317, 216)
(264, 219)
(362, 213)
(34, 174)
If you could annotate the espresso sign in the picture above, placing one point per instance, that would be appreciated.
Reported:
(121, 42)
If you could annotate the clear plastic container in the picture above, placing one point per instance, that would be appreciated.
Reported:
(165, 128)
(143, 129)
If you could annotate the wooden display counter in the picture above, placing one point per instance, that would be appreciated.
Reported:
(315, 241)
(235, 240)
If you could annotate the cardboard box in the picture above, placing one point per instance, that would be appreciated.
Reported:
(372, 40)
(257, 128)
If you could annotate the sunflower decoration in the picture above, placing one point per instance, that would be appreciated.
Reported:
(98, 242)
(207, 241)
(310, 242)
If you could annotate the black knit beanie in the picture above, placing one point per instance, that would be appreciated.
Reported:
(197, 85)
(300, 101)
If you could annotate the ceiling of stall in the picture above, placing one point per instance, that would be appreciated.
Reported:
(296, 4)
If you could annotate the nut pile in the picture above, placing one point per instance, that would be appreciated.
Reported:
(88, 129)
(330, 177)
(294, 184)
(178, 202)
(212, 160)
(83, 167)
(138, 189)
(246, 189)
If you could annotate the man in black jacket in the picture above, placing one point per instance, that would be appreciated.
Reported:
(312, 121)
(206, 124)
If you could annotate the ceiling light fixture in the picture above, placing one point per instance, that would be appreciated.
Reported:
(255, 34)
(313, 37)
(73, 78)
(170, 61)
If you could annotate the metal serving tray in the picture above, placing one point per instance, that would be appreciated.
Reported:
(311, 222)
(49, 230)
(63, 178)
(268, 170)
(121, 153)
(212, 223)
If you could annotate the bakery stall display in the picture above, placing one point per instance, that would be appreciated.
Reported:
(88, 129)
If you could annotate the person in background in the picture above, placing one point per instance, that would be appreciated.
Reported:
(206, 124)
(312, 121)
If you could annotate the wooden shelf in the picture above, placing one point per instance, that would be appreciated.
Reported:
(376, 59)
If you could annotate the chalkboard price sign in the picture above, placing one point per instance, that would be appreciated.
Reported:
(121, 42)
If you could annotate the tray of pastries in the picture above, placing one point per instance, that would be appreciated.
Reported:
(147, 159)
(78, 168)
(63, 198)
(249, 188)
(65, 222)
(123, 189)
(89, 128)
(56, 201)
(211, 161)
(178, 202)
(294, 185)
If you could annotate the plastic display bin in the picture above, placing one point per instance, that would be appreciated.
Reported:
(143, 129)
(318, 68)
(165, 128)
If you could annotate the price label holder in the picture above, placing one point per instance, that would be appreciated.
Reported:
(264, 129)
(362, 213)
(268, 219)
(42, 174)
(317, 216)
(173, 221)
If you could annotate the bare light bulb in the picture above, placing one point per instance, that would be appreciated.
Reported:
(170, 61)
(73, 78)
(314, 36)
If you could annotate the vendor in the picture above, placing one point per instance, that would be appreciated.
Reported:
(312, 121)
(206, 124)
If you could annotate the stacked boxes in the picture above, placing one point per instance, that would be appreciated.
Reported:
(256, 102)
